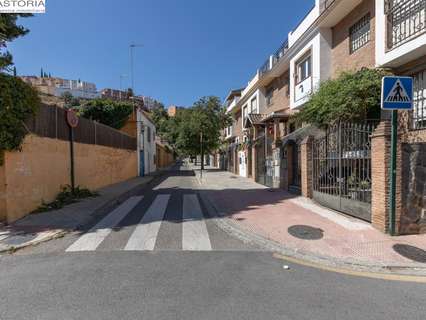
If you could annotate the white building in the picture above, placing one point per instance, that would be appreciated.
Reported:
(78, 89)
(146, 143)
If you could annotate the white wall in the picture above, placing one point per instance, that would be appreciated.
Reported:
(148, 147)
(320, 46)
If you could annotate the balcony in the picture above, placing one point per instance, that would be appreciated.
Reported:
(406, 20)
(274, 59)
(280, 53)
(325, 4)
(265, 68)
(232, 104)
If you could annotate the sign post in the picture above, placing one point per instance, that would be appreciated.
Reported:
(397, 94)
(72, 120)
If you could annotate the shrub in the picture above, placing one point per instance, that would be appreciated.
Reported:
(108, 112)
(353, 96)
(18, 101)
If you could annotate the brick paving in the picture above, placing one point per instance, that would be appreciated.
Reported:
(271, 214)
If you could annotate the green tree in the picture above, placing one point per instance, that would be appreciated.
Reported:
(67, 96)
(9, 31)
(18, 101)
(108, 112)
(161, 119)
(353, 96)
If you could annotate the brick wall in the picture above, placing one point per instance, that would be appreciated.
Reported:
(238, 125)
(342, 59)
(280, 94)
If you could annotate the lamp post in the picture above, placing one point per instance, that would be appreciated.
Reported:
(132, 76)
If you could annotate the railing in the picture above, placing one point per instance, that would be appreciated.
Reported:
(280, 53)
(265, 68)
(406, 20)
(325, 4)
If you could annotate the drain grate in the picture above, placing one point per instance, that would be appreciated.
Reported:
(306, 232)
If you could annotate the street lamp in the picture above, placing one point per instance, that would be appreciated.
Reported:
(132, 46)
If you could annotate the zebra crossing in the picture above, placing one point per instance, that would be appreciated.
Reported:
(194, 235)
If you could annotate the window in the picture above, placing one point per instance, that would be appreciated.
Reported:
(253, 105)
(268, 95)
(303, 68)
(419, 111)
(148, 134)
(245, 112)
(360, 34)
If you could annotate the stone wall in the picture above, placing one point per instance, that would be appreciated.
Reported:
(37, 172)
(413, 219)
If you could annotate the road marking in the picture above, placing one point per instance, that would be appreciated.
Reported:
(94, 237)
(195, 236)
(145, 234)
(362, 274)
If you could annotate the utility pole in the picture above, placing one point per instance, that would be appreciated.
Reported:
(132, 46)
(202, 154)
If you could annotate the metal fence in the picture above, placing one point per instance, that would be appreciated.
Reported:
(406, 21)
(50, 122)
(342, 169)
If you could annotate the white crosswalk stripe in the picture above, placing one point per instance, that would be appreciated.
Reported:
(94, 237)
(145, 235)
(195, 236)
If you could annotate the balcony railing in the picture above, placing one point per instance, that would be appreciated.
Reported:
(406, 20)
(265, 68)
(278, 55)
(280, 52)
(325, 4)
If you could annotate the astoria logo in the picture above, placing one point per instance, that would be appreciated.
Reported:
(22, 6)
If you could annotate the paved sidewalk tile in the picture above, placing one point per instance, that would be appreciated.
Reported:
(301, 225)
(36, 228)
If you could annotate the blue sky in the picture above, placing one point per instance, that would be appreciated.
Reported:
(192, 48)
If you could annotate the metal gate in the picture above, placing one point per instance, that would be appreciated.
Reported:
(264, 162)
(342, 169)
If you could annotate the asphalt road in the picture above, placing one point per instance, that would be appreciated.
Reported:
(159, 256)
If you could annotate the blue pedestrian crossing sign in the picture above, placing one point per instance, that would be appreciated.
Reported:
(397, 93)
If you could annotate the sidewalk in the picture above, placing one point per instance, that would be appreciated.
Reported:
(297, 227)
(37, 228)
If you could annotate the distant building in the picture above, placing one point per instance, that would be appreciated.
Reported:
(57, 87)
(151, 103)
(114, 94)
(172, 110)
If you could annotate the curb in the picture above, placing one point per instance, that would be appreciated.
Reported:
(107, 206)
(303, 257)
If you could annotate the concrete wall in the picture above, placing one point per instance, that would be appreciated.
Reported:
(37, 173)
(342, 59)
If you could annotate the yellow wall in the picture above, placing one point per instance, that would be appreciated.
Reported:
(2, 193)
(37, 173)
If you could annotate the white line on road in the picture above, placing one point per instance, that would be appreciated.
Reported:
(145, 234)
(195, 236)
(94, 237)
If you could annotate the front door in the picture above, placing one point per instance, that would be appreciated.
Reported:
(141, 164)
